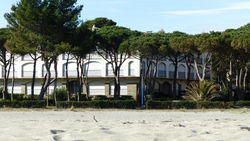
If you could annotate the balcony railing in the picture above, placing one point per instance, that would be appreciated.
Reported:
(171, 74)
(28, 74)
(71, 73)
(181, 75)
(11, 74)
(94, 72)
(52, 73)
(110, 73)
(131, 72)
(162, 73)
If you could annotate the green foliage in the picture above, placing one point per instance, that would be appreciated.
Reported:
(100, 97)
(203, 91)
(61, 94)
(99, 22)
(23, 104)
(126, 97)
(111, 37)
(147, 45)
(152, 104)
(120, 104)
(160, 97)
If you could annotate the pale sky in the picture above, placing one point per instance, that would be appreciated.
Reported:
(190, 16)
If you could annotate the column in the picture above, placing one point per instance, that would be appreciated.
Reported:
(23, 89)
(107, 89)
(132, 90)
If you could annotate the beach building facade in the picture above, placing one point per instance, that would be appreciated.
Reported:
(100, 75)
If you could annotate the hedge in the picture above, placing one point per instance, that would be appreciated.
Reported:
(120, 104)
(23, 104)
(152, 104)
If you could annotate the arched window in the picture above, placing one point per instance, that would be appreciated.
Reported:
(93, 69)
(192, 72)
(27, 70)
(52, 70)
(171, 71)
(109, 70)
(131, 68)
(182, 72)
(162, 70)
(71, 69)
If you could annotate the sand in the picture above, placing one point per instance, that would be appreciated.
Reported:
(119, 125)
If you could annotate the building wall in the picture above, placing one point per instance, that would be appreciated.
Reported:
(99, 72)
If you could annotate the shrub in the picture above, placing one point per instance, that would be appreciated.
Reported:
(152, 104)
(184, 104)
(213, 105)
(126, 97)
(122, 104)
(242, 103)
(23, 104)
(28, 97)
(201, 92)
(61, 94)
(100, 97)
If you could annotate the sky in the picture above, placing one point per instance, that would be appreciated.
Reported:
(190, 16)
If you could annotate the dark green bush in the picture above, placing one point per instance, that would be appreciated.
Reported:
(122, 104)
(61, 94)
(23, 104)
(153, 104)
(242, 103)
(126, 97)
(214, 104)
(160, 97)
(183, 104)
(28, 97)
(100, 97)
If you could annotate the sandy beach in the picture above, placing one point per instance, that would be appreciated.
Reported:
(119, 125)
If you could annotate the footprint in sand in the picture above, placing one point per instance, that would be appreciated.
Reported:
(56, 131)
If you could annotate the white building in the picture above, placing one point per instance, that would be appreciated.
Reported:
(100, 75)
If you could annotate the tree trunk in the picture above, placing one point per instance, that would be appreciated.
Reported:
(33, 78)
(230, 86)
(154, 76)
(244, 79)
(188, 74)
(55, 82)
(78, 78)
(175, 78)
(117, 84)
(67, 77)
(47, 82)
(85, 77)
(13, 78)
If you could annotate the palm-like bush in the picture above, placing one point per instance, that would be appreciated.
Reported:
(201, 92)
